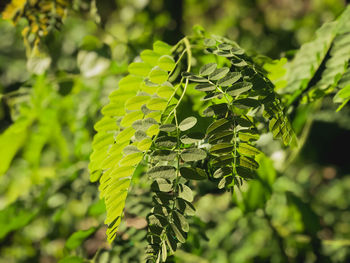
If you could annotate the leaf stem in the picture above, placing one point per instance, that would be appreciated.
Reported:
(189, 61)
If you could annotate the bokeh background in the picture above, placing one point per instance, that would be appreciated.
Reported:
(49, 102)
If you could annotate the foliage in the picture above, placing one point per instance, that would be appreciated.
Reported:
(236, 93)
(315, 72)
(185, 151)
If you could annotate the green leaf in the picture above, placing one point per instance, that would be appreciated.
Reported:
(125, 135)
(229, 79)
(162, 198)
(102, 140)
(180, 235)
(243, 121)
(245, 148)
(192, 173)
(248, 102)
(165, 91)
(121, 95)
(148, 122)
(162, 48)
(157, 104)
(185, 193)
(194, 77)
(167, 111)
(193, 154)
(224, 136)
(222, 148)
(143, 124)
(136, 102)
(129, 149)
(245, 172)
(129, 118)
(223, 53)
(205, 87)
(158, 75)
(162, 185)
(157, 220)
(209, 42)
(150, 57)
(207, 69)
(241, 63)
(248, 135)
(153, 130)
(164, 155)
(222, 160)
(219, 73)
(218, 125)
(131, 159)
(212, 95)
(222, 171)
(164, 172)
(77, 238)
(187, 123)
(237, 51)
(162, 210)
(113, 109)
(164, 252)
(185, 207)
(224, 46)
(166, 63)
(225, 181)
(106, 124)
(181, 221)
(130, 82)
(144, 144)
(192, 137)
(216, 109)
(166, 142)
(239, 88)
(172, 244)
(167, 127)
(342, 95)
(248, 162)
(139, 68)
(140, 135)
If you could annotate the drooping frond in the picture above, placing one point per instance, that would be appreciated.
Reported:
(236, 94)
(331, 48)
(130, 121)
(253, 84)
(142, 121)
(308, 59)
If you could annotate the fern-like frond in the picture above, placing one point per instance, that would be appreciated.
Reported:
(258, 86)
(308, 59)
(142, 122)
(236, 94)
(331, 48)
(125, 132)
(337, 63)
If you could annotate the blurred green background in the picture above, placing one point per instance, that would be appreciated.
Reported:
(49, 103)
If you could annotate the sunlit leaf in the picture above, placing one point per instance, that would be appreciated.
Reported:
(193, 154)
(187, 123)
(207, 69)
